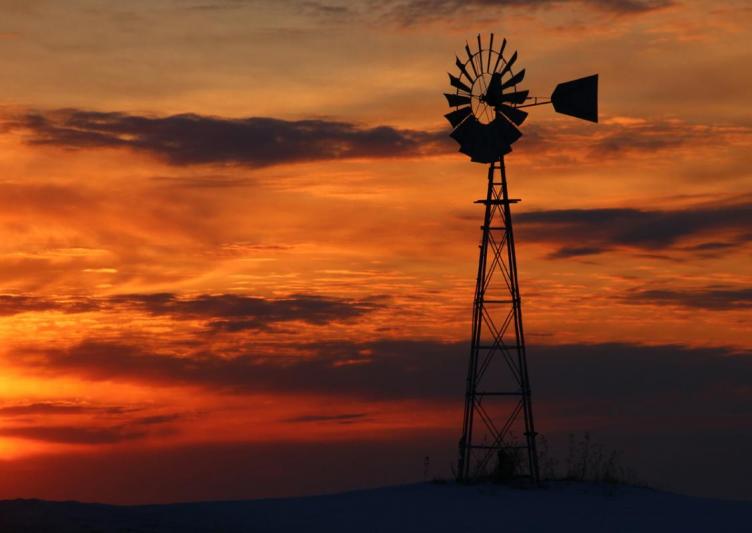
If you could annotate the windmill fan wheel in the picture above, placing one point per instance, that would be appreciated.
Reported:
(486, 99)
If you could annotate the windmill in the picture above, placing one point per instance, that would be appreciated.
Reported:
(498, 433)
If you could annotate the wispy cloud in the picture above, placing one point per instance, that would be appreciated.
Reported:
(230, 312)
(717, 298)
(11, 304)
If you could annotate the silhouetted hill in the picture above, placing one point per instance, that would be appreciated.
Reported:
(581, 508)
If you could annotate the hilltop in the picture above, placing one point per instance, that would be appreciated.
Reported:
(560, 507)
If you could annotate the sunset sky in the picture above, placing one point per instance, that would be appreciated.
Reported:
(238, 247)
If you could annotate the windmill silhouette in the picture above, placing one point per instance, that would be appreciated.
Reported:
(486, 122)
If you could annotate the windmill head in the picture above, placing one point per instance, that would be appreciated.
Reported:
(577, 98)
(488, 101)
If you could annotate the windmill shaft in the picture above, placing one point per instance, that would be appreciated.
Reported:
(536, 100)
(498, 434)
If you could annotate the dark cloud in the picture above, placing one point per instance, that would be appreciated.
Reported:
(15, 304)
(577, 142)
(712, 298)
(229, 312)
(60, 408)
(263, 141)
(204, 182)
(612, 376)
(345, 418)
(630, 382)
(155, 420)
(255, 141)
(416, 11)
(217, 5)
(566, 252)
(73, 434)
(644, 138)
(394, 369)
(581, 232)
(413, 11)
(713, 247)
(630, 6)
(233, 312)
(327, 11)
(86, 432)
(653, 402)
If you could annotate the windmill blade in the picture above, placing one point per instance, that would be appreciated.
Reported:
(466, 134)
(483, 154)
(456, 100)
(508, 132)
(467, 150)
(475, 150)
(577, 98)
(470, 58)
(455, 82)
(456, 117)
(514, 98)
(463, 70)
(480, 54)
(489, 150)
(470, 136)
(514, 80)
(517, 116)
(484, 143)
(487, 156)
(509, 64)
(501, 54)
(490, 49)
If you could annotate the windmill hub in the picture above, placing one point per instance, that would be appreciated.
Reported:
(482, 110)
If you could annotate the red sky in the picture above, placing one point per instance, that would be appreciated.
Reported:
(238, 247)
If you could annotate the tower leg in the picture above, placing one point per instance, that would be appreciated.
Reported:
(497, 395)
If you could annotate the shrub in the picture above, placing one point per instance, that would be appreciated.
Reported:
(585, 461)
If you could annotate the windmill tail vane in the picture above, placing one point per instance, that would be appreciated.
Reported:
(498, 434)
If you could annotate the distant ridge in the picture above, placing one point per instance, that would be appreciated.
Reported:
(561, 507)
